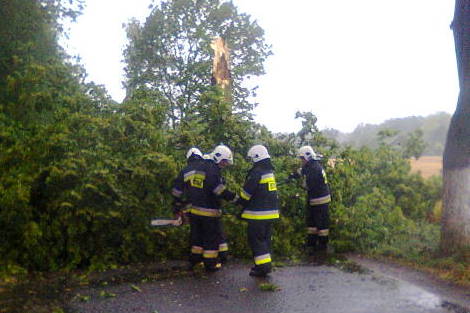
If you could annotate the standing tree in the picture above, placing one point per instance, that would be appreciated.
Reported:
(30, 56)
(414, 145)
(171, 53)
(455, 235)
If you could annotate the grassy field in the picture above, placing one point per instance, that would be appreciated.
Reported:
(427, 165)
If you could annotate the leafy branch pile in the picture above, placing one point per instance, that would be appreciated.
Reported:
(82, 175)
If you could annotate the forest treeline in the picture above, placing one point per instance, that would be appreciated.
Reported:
(82, 175)
(431, 130)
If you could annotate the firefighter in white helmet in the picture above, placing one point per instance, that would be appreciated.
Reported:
(202, 186)
(206, 228)
(222, 152)
(193, 158)
(318, 200)
(193, 153)
(260, 202)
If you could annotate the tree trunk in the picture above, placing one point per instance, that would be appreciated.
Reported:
(221, 66)
(455, 232)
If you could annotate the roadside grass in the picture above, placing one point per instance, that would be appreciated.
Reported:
(35, 293)
(51, 292)
(450, 269)
(419, 250)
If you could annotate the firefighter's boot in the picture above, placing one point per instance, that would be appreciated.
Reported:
(261, 270)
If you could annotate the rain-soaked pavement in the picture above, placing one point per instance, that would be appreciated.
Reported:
(302, 288)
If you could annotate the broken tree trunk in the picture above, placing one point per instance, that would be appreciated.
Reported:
(221, 66)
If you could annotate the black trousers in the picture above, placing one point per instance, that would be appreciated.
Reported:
(204, 237)
(318, 223)
(259, 240)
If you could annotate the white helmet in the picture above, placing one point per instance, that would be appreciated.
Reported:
(222, 153)
(193, 151)
(307, 153)
(258, 153)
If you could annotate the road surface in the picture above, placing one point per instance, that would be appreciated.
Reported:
(301, 288)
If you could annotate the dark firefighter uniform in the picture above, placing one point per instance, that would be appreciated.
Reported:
(202, 185)
(260, 201)
(317, 207)
(222, 238)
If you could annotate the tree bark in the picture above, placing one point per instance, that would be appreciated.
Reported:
(455, 231)
(221, 66)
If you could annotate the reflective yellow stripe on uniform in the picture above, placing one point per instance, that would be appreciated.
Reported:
(260, 215)
(312, 230)
(195, 178)
(323, 232)
(270, 180)
(187, 209)
(196, 250)
(320, 200)
(205, 211)
(223, 247)
(266, 178)
(210, 254)
(262, 259)
(245, 195)
(194, 174)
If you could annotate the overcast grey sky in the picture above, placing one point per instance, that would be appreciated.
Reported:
(347, 61)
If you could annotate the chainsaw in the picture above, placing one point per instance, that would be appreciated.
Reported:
(180, 218)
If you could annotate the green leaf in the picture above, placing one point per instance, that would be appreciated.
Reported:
(135, 288)
(106, 294)
(268, 287)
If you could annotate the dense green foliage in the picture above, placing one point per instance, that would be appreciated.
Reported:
(377, 198)
(433, 128)
(81, 176)
(171, 53)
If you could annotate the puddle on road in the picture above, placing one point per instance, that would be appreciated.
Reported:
(455, 308)
(431, 301)
(416, 295)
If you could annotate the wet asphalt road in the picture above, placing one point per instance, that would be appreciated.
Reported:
(306, 288)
